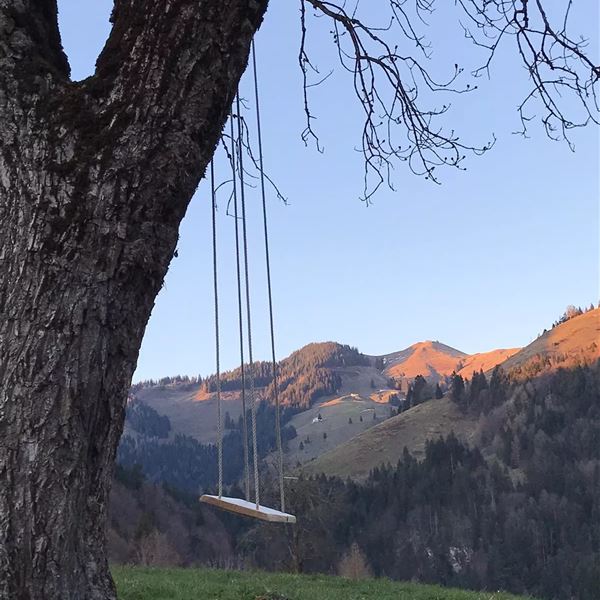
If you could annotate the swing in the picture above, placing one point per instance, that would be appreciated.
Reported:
(248, 509)
(241, 506)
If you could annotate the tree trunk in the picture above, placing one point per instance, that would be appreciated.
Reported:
(95, 178)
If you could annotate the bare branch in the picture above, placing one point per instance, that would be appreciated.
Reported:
(393, 87)
(387, 85)
(564, 78)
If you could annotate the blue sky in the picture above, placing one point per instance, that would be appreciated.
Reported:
(485, 260)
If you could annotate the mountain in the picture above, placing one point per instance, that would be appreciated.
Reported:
(353, 393)
(315, 372)
(189, 409)
(516, 510)
(484, 361)
(433, 360)
(171, 426)
(493, 486)
(569, 344)
(318, 372)
(348, 390)
(436, 361)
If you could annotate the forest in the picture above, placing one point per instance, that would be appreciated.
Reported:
(303, 377)
(520, 511)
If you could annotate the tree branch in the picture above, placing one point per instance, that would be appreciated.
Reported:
(564, 78)
(169, 67)
(389, 84)
(29, 37)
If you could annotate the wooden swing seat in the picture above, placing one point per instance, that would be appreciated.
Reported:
(248, 509)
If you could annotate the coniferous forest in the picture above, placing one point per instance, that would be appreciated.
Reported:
(518, 511)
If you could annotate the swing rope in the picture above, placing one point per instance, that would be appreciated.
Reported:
(240, 316)
(237, 505)
(217, 345)
(248, 312)
(270, 295)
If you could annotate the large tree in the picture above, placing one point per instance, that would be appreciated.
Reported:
(95, 177)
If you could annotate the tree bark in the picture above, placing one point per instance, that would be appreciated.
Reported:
(95, 178)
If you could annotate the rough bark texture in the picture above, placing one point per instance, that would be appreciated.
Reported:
(95, 178)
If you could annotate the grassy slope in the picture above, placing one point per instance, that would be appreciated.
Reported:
(568, 341)
(385, 442)
(194, 584)
(485, 361)
(355, 397)
(190, 411)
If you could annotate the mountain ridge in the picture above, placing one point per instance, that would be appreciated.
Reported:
(569, 344)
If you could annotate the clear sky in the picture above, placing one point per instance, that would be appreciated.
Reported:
(488, 259)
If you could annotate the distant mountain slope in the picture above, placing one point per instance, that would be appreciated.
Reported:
(385, 442)
(577, 341)
(484, 361)
(433, 360)
(187, 415)
(571, 343)
(360, 402)
(316, 371)
(312, 372)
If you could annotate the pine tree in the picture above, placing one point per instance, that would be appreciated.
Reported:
(457, 391)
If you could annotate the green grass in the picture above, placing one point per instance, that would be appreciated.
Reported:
(134, 583)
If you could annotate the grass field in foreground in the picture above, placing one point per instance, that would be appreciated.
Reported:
(134, 583)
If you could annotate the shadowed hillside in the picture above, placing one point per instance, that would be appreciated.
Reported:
(315, 371)
(518, 510)
(354, 395)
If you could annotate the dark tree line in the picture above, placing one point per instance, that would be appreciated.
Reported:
(232, 380)
(309, 373)
(179, 380)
